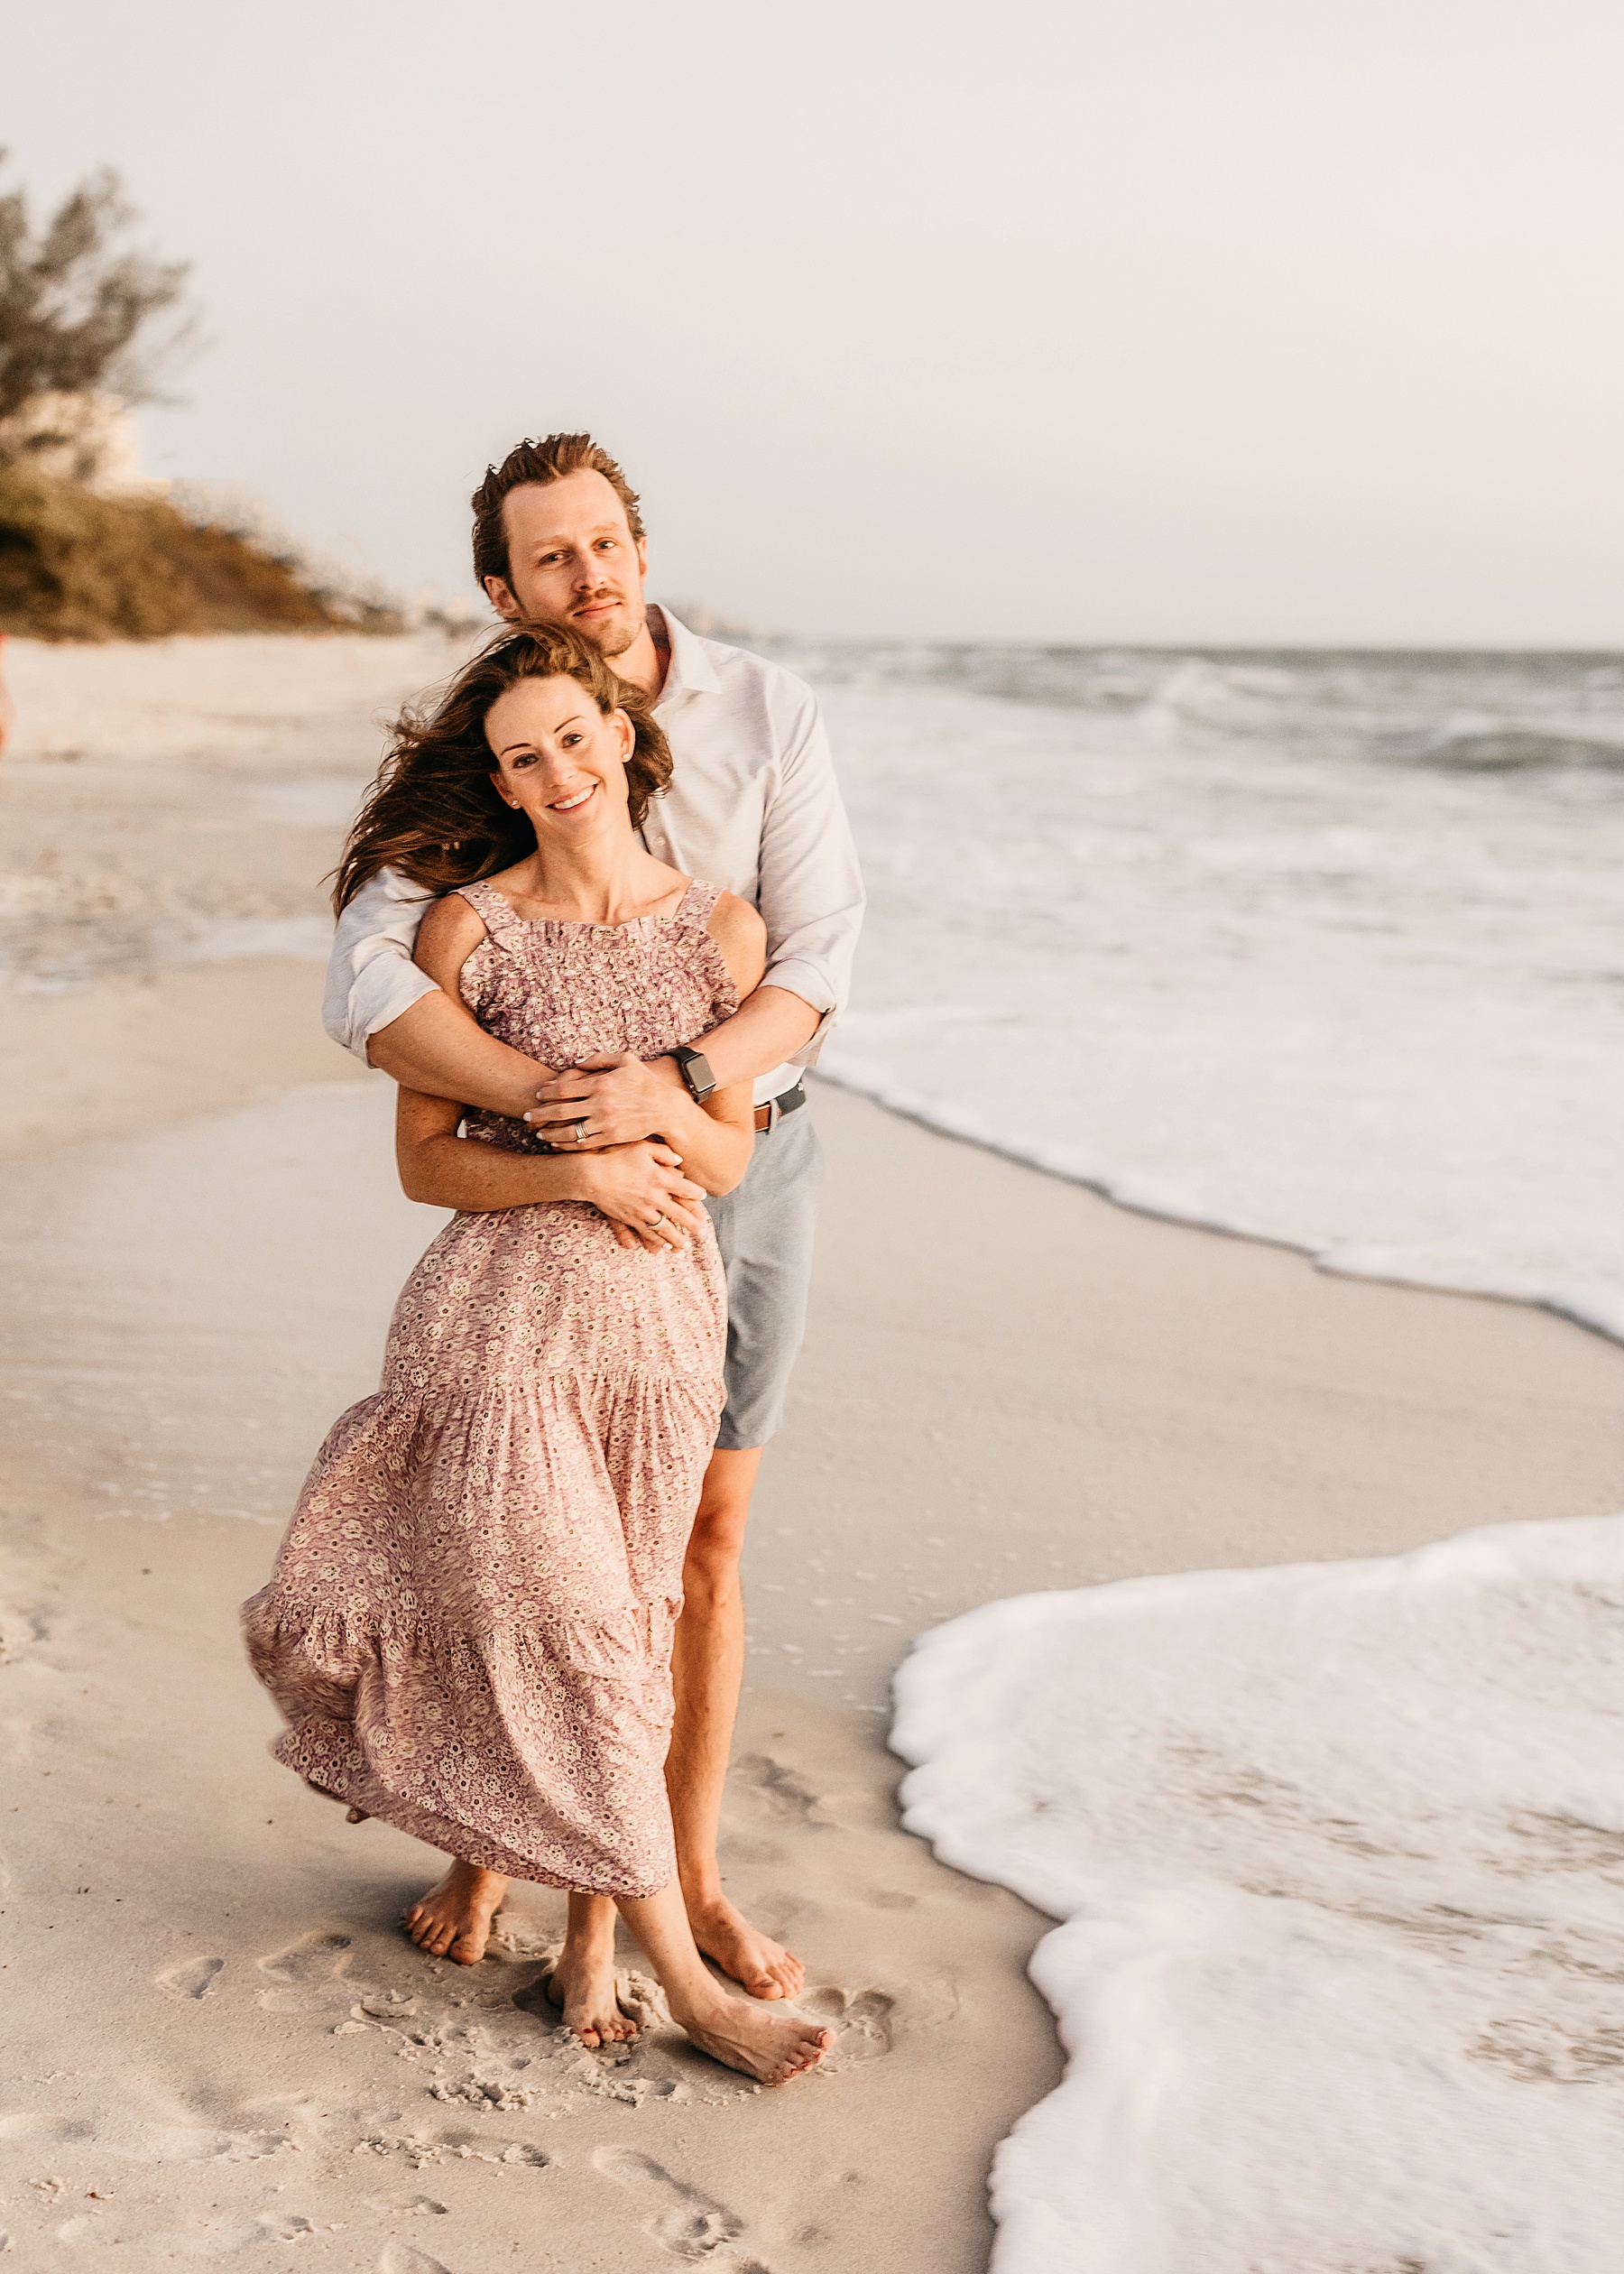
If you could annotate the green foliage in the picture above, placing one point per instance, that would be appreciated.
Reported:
(75, 299)
(74, 566)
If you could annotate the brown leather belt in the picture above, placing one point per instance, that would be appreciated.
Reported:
(788, 1101)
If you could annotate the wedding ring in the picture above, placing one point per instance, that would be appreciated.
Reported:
(580, 1132)
(659, 1220)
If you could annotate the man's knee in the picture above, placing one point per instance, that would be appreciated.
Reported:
(711, 1569)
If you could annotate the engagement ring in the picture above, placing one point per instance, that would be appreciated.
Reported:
(580, 1132)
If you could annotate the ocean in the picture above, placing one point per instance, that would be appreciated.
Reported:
(1320, 948)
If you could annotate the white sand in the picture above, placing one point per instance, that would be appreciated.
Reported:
(1008, 1385)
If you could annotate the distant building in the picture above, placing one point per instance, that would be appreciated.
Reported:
(87, 440)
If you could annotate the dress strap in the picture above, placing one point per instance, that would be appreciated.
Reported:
(698, 902)
(498, 918)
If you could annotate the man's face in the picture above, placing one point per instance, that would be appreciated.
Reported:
(572, 559)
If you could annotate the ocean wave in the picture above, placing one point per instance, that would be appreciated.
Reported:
(1336, 1846)
(1464, 711)
(1369, 1014)
(1503, 749)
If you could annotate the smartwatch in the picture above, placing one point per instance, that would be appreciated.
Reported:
(695, 1070)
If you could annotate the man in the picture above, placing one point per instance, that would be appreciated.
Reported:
(754, 805)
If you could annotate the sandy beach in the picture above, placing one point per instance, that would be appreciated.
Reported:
(221, 2037)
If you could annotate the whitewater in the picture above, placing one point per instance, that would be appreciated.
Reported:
(1321, 949)
(1339, 1849)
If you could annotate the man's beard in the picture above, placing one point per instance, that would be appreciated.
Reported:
(620, 633)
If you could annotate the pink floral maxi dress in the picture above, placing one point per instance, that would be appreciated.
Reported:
(469, 1624)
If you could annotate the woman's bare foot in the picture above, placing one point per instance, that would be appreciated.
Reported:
(453, 1920)
(582, 1986)
(751, 1958)
(773, 2048)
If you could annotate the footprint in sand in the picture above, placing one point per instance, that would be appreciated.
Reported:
(784, 1792)
(314, 1957)
(282, 2226)
(861, 2021)
(48, 2130)
(195, 1979)
(422, 2148)
(690, 2225)
(399, 2258)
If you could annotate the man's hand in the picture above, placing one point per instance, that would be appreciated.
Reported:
(617, 1099)
(642, 1191)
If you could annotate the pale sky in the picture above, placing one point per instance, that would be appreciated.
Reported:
(1121, 319)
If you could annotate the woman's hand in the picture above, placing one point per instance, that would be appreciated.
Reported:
(642, 1191)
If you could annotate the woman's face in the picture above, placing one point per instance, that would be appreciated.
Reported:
(561, 760)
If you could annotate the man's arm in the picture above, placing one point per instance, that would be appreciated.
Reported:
(392, 1014)
(440, 1048)
(810, 887)
(370, 978)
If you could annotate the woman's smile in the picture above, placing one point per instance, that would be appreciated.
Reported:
(576, 797)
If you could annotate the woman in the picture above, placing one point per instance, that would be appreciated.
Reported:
(469, 1626)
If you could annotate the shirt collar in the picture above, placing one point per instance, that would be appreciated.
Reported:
(691, 671)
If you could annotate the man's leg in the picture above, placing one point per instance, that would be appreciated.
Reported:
(707, 1668)
(764, 1230)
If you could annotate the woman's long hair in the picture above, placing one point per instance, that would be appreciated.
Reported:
(433, 812)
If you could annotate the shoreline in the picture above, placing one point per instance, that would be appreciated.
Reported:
(1010, 1384)
(942, 1125)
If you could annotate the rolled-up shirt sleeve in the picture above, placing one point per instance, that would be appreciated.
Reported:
(370, 978)
(811, 895)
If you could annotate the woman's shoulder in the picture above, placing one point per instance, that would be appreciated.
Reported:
(451, 929)
(732, 921)
(738, 932)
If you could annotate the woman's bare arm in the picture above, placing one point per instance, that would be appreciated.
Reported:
(631, 1185)
(439, 1047)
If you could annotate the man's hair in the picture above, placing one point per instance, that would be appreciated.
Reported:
(540, 462)
(433, 812)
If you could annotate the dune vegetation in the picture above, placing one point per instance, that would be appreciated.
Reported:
(78, 565)
(90, 549)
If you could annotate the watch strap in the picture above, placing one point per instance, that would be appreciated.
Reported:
(695, 1070)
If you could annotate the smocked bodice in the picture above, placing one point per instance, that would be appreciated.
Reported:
(563, 993)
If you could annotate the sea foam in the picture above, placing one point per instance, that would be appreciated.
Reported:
(1339, 1849)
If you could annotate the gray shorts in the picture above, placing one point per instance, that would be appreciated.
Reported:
(764, 1229)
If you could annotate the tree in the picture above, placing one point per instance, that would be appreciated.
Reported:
(78, 302)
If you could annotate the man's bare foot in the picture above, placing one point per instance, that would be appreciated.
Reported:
(582, 1986)
(453, 1920)
(773, 2048)
(749, 1957)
